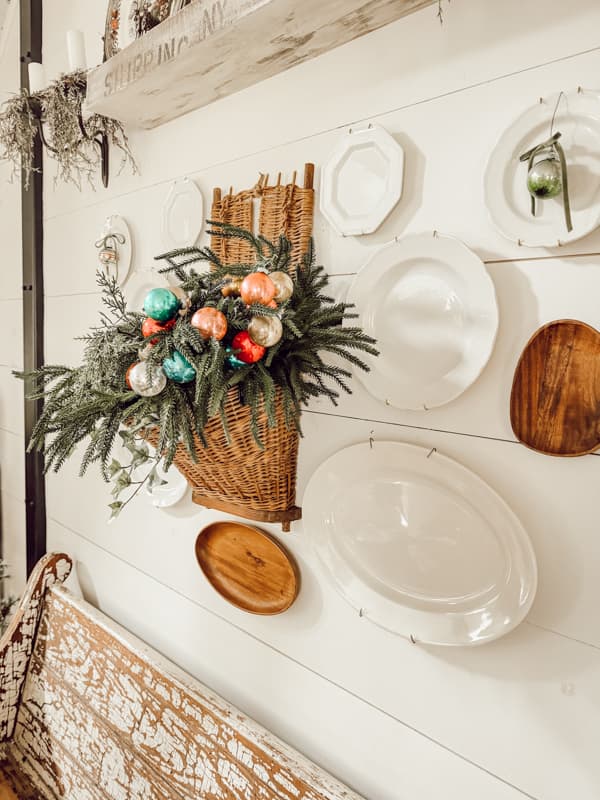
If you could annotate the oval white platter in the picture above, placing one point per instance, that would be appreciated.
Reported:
(138, 286)
(419, 545)
(505, 187)
(183, 215)
(362, 181)
(169, 493)
(431, 305)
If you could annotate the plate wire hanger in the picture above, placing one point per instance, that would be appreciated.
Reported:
(545, 156)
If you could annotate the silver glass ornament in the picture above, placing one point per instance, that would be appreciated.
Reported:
(544, 179)
(284, 286)
(265, 331)
(147, 381)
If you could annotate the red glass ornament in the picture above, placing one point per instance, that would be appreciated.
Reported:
(257, 288)
(210, 323)
(127, 381)
(246, 350)
(151, 326)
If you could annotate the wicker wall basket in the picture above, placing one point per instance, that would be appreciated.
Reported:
(240, 477)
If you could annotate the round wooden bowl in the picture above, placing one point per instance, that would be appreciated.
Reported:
(248, 567)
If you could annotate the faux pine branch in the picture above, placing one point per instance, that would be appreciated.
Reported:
(91, 405)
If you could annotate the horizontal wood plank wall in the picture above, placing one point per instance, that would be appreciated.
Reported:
(515, 719)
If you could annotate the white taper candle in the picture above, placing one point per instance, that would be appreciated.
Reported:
(37, 77)
(76, 50)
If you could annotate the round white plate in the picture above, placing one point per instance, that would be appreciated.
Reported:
(362, 181)
(171, 492)
(505, 182)
(117, 225)
(182, 217)
(431, 305)
(138, 286)
(420, 545)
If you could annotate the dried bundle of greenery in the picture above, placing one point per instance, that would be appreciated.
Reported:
(71, 140)
(18, 129)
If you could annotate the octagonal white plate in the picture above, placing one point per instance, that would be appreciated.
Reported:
(419, 545)
(362, 181)
(183, 215)
(505, 187)
(431, 305)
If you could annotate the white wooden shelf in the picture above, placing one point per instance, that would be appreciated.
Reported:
(213, 48)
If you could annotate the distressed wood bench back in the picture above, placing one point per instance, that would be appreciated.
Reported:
(89, 712)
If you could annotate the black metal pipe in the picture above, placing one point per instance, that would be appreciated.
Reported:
(33, 296)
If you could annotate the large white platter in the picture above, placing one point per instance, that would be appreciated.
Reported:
(362, 181)
(431, 305)
(505, 187)
(419, 545)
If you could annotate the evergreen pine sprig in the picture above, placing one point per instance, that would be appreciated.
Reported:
(92, 405)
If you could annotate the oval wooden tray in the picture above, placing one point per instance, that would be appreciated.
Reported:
(555, 398)
(247, 567)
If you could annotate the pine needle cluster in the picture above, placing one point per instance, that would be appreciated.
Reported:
(93, 404)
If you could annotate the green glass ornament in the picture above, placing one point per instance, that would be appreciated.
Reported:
(161, 305)
(178, 369)
(544, 178)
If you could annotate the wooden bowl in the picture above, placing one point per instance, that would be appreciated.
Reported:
(248, 567)
(555, 398)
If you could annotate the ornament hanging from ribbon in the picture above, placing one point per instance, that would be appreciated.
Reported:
(547, 172)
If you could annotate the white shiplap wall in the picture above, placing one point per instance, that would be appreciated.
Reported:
(12, 461)
(519, 718)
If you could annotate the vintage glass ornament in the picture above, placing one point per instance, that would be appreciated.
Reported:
(151, 326)
(257, 288)
(265, 331)
(232, 288)
(161, 304)
(144, 352)
(246, 350)
(184, 300)
(128, 374)
(284, 286)
(210, 323)
(147, 381)
(178, 369)
(544, 179)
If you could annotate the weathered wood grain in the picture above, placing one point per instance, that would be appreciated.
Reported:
(17, 643)
(185, 735)
(214, 48)
(14, 785)
(555, 398)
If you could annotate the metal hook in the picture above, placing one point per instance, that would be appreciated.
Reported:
(435, 234)
(361, 612)
(520, 242)
(412, 638)
(425, 407)
(579, 90)
(388, 402)
(431, 452)
(371, 440)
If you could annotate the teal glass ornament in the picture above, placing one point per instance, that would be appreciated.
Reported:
(178, 369)
(233, 361)
(161, 305)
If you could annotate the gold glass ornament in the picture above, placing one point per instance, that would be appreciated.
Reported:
(232, 288)
(265, 331)
(284, 286)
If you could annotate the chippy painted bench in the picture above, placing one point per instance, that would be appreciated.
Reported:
(89, 712)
